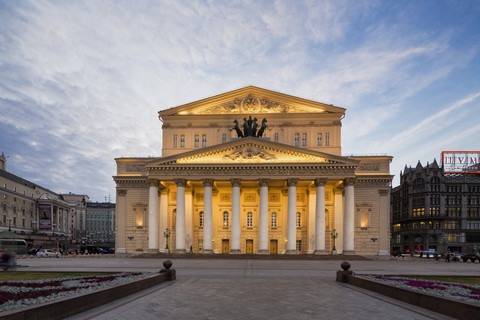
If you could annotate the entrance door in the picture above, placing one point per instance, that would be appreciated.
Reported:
(273, 246)
(249, 248)
(225, 246)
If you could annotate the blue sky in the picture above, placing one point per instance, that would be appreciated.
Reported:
(81, 81)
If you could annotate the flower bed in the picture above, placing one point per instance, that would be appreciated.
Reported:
(16, 294)
(439, 288)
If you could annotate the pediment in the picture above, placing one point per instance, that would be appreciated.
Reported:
(252, 150)
(251, 100)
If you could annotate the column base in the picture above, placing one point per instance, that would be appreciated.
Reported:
(153, 251)
(207, 251)
(263, 252)
(383, 253)
(320, 252)
(235, 251)
(180, 251)
(120, 250)
(291, 252)
(348, 252)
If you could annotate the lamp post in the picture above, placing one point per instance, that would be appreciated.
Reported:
(334, 236)
(9, 223)
(166, 234)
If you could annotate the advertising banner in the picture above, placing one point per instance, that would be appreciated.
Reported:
(461, 161)
(44, 217)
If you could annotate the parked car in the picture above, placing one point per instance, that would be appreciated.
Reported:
(106, 250)
(48, 253)
(456, 256)
(471, 256)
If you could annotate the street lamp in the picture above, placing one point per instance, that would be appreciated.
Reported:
(334, 236)
(166, 233)
(9, 223)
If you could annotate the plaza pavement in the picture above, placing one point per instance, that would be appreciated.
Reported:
(254, 289)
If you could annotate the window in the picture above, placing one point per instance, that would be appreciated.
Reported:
(23, 218)
(275, 136)
(224, 137)
(454, 211)
(174, 143)
(197, 141)
(297, 137)
(249, 219)
(299, 219)
(4, 213)
(473, 224)
(364, 219)
(299, 245)
(435, 184)
(452, 224)
(319, 139)
(419, 186)
(304, 139)
(327, 138)
(182, 141)
(201, 219)
(434, 211)
(225, 219)
(273, 222)
(473, 212)
(204, 140)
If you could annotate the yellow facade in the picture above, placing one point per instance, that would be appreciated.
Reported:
(253, 194)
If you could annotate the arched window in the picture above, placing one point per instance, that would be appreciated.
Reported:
(275, 136)
(201, 218)
(204, 140)
(299, 219)
(249, 219)
(224, 137)
(297, 138)
(174, 140)
(197, 141)
(327, 138)
(225, 219)
(4, 213)
(319, 139)
(304, 139)
(182, 141)
(273, 222)
(14, 222)
(23, 217)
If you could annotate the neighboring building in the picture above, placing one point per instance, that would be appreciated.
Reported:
(100, 222)
(78, 206)
(286, 190)
(33, 212)
(433, 210)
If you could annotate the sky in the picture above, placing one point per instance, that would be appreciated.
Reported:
(81, 82)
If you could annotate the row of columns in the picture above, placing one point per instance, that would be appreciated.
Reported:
(348, 242)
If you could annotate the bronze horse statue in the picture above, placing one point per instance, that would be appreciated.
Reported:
(262, 128)
(237, 129)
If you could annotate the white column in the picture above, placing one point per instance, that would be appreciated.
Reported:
(207, 215)
(292, 216)
(58, 219)
(153, 216)
(349, 221)
(163, 221)
(235, 247)
(121, 213)
(180, 218)
(320, 217)
(263, 219)
(384, 240)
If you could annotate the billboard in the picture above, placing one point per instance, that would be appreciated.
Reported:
(44, 217)
(461, 161)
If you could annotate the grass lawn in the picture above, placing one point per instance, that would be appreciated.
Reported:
(26, 275)
(474, 281)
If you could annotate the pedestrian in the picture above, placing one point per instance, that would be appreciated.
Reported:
(447, 257)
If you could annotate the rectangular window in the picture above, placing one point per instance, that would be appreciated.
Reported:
(201, 219)
(174, 140)
(299, 245)
(276, 136)
(225, 219)
(319, 139)
(182, 141)
(473, 224)
(304, 139)
(297, 138)
(204, 140)
(452, 225)
(197, 141)
(299, 219)
(327, 138)
(273, 223)
(249, 219)
(224, 137)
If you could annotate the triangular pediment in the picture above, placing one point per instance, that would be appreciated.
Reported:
(250, 100)
(252, 150)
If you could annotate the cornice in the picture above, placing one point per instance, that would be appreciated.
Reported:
(131, 182)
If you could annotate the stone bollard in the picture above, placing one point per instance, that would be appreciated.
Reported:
(342, 275)
(171, 273)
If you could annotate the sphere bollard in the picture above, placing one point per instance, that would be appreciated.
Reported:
(168, 270)
(345, 273)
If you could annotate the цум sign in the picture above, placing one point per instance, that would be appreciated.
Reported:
(461, 161)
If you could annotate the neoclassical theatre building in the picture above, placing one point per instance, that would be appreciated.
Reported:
(253, 171)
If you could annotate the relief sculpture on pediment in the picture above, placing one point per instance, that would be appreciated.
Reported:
(249, 154)
(249, 104)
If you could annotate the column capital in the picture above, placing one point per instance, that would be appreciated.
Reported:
(236, 182)
(263, 182)
(122, 192)
(207, 182)
(383, 192)
(320, 182)
(153, 182)
(180, 182)
(350, 181)
(292, 182)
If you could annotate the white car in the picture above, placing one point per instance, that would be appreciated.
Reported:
(42, 253)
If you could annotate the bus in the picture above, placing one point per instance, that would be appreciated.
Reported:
(18, 246)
